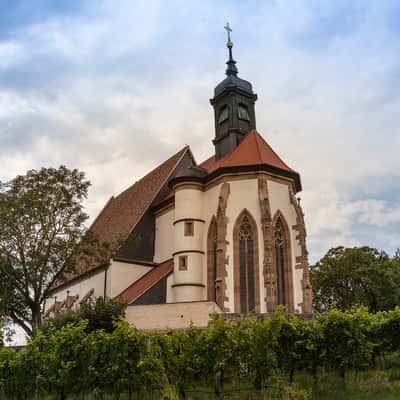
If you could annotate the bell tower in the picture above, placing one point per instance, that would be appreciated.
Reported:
(233, 104)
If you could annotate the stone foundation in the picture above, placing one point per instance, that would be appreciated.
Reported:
(172, 315)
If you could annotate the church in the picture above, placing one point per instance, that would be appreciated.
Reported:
(226, 235)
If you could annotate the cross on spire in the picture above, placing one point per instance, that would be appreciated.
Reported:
(231, 70)
(228, 31)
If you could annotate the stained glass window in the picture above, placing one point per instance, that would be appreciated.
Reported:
(246, 257)
(212, 260)
(280, 260)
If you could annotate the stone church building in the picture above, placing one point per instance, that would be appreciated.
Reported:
(223, 236)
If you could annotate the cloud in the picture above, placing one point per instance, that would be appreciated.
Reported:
(116, 90)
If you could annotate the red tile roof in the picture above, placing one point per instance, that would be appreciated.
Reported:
(146, 282)
(121, 214)
(252, 150)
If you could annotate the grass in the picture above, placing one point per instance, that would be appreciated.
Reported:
(366, 385)
(363, 385)
(380, 384)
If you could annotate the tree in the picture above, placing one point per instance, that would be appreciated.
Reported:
(98, 313)
(359, 276)
(42, 232)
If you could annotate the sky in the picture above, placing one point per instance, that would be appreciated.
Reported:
(116, 87)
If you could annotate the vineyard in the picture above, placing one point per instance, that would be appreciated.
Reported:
(74, 363)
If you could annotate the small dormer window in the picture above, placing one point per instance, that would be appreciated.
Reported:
(223, 114)
(243, 112)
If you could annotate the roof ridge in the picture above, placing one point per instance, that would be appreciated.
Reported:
(101, 212)
(254, 132)
(154, 169)
(270, 147)
(183, 151)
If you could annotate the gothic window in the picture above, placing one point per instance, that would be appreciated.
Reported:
(243, 112)
(223, 114)
(283, 269)
(212, 260)
(246, 274)
(280, 260)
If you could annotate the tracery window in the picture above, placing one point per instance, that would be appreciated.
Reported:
(283, 264)
(246, 265)
(212, 260)
(246, 249)
(280, 260)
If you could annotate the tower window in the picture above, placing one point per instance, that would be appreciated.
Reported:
(243, 112)
(183, 264)
(223, 114)
(189, 228)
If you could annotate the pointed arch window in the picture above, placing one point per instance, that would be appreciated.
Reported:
(280, 261)
(212, 260)
(283, 265)
(246, 274)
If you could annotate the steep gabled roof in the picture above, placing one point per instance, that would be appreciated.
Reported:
(146, 282)
(121, 214)
(252, 150)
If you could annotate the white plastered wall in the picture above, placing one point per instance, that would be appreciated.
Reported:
(81, 288)
(170, 295)
(171, 316)
(164, 243)
(280, 200)
(120, 275)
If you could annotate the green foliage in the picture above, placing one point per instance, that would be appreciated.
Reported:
(347, 339)
(389, 331)
(41, 233)
(351, 277)
(72, 359)
(99, 313)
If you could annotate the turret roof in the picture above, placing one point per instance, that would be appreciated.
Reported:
(252, 150)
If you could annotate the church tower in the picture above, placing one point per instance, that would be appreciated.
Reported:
(233, 104)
